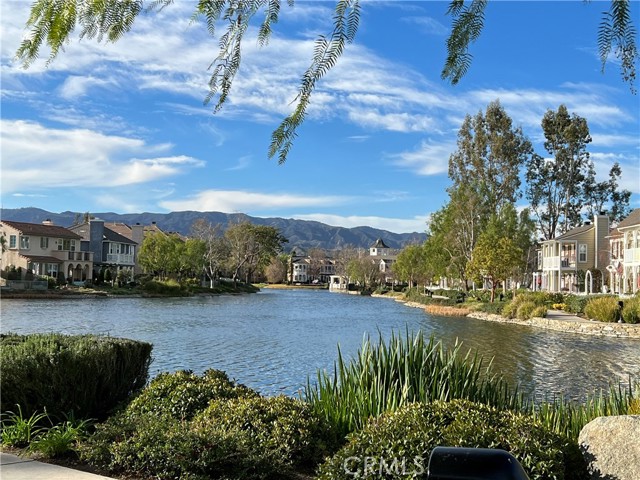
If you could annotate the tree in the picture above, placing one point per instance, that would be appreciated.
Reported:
(363, 270)
(598, 195)
(215, 248)
(411, 264)
(52, 21)
(277, 270)
(251, 247)
(556, 188)
(496, 254)
(489, 156)
(317, 258)
(454, 231)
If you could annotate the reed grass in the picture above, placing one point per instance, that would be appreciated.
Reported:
(386, 375)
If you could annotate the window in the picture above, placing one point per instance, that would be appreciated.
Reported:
(24, 243)
(582, 252)
(67, 244)
(44, 243)
(13, 241)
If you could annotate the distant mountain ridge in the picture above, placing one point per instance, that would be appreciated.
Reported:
(302, 234)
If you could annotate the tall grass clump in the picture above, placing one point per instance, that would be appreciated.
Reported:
(524, 304)
(86, 375)
(604, 309)
(631, 310)
(568, 417)
(387, 375)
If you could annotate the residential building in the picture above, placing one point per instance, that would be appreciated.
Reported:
(624, 264)
(581, 251)
(385, 257)
(303, 269)
(111, 250)
(46, 249)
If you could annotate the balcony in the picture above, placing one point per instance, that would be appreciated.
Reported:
(557, 263)
(80, 256)
(120, 259)
(631, 255)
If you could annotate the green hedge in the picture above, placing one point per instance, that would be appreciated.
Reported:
(191, 427)
(86, 375)
(398, 444)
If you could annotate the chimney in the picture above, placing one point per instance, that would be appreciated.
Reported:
(601, 223)
(47, 222)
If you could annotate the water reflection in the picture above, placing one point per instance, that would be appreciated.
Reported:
(273, 340)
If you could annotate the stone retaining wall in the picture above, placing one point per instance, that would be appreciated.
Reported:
(623, 330)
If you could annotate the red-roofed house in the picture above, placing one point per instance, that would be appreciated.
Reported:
(45, 249)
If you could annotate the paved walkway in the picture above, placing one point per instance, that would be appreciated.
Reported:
(567, 317)
(13, 467)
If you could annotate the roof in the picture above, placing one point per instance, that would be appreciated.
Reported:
(632, 219)
(120, 228)
(575, 231)
(379, 244)
(41, 259)
(42, 230)
(112, 236)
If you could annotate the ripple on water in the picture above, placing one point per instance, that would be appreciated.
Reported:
(273, 340)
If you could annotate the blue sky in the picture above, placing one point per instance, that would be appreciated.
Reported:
(122, 127)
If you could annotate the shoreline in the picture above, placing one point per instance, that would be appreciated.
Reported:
(556, 320)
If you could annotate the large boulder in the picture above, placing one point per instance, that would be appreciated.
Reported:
(611, 447)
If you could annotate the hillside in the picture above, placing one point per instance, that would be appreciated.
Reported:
(302, 234)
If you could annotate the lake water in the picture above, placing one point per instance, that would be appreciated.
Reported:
(274, 340)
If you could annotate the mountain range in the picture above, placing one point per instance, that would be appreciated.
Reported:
(302, 234)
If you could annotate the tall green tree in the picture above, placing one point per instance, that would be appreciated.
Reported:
(252, 247)
(556, 188)
(600, 195)
(485, 174)
(454, 231)
(490, 153)
(52, 22)
(411, 265)
(497, 253)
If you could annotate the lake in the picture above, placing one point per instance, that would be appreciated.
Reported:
(273, 340)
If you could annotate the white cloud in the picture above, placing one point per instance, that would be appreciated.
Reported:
(428, 25)
(233, 201)
(37, 157)
(76, 86)
(630, 167)
(430, 158)
(396, 225)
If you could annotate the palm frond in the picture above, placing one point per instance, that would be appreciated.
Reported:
(325, 56)
(467, 26)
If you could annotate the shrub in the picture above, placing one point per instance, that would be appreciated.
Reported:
(559, 306)
(169, 287)
(525, 310)
(280, 432)
(575, 304)
(540, 312)
(239, 438)
(409, 435)
(495, 307)
(604, 309)
(87, 375)
(183, 394)
(631, 310)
